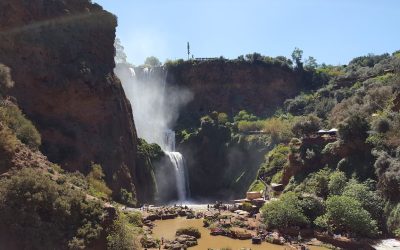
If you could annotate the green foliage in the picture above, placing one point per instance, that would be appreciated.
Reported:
(120, 236)
(134, 218)
(393, 221)
(337, 183)
(277, 178)
(284, 213)
(316, 183)
(191, 231)
(222, 118)
(354, 128)
(256, 186)
(346, 215)
(306, 126)
(97, 185)
(12, 117)
(369, 200)
(276, 160)
(297, 55)
(152, 61)
(311, 206)
(387, 169)
(49, 215)
(243, 115)
(127, 197)
(249, 126)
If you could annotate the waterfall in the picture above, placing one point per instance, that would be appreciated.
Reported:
(178, 163)
(155, 110)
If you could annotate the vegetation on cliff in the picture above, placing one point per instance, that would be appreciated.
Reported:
(353, 174)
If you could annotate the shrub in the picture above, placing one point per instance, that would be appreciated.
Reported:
(306, 126)
(127, 197)
(48, 215)
(5, 78)
(393, 220)
(191, 231)
(346, 215)
(284, 213)
(276, 159)
(337, 183)
(353, 128)
(316, 183)
(134, 218)
(97, 185)
(368, 199)
(12, 117)
(311, 206)
(120, 236)
(243, 115)
(381, 125)
(222, 118)
(257, 185)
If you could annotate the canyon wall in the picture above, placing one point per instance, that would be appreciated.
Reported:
(230, 86)
(62, 57)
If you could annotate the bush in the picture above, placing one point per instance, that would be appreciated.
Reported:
(306, 126)
(5, 78)
(284, 213)
(12, 117)
(134, 218)
(368, 199)
(127, 197)
(393, 221)
(276, 159)
(120, 236)
(316, 183)
(191, 231)
(257, 185)
(337, 183)
(353, 128)
(243, 115)
(97, 185)
(346, 215)
(48, 215)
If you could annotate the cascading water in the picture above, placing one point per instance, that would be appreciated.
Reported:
(178, 162)
(154, 113)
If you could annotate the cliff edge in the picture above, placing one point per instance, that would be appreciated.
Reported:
(62, 57)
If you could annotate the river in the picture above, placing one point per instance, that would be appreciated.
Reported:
(167, 229)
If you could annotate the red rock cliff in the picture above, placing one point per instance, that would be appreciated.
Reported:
(62, 58)
(231, 86)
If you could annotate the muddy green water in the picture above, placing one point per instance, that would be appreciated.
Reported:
(167, 229)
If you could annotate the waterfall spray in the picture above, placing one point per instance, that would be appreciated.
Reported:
(155, 114)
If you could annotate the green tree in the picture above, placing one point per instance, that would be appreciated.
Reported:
(49, 215)
(368, 199)
(306, 126)
(120, 56)
(121, 236)
(337, 183)
(354, 128)
(311, 63)
(346, 215)
(152, 61)
(297, 55)
(284, 213)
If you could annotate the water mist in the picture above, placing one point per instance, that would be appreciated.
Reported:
(155, 109)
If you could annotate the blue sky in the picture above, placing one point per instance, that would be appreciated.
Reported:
(332, 31)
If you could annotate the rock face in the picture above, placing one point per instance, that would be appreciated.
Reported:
(231, 86)
(62, 57)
